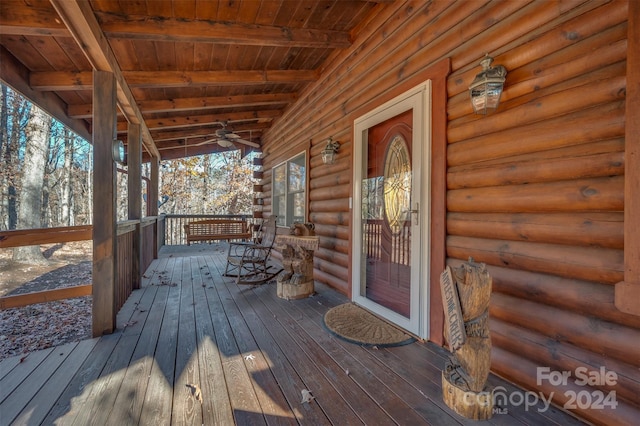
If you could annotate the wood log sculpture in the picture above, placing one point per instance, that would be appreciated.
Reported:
(465, 295)
(302, 229)
(296, 280)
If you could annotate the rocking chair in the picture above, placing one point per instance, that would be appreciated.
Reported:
(247, 261)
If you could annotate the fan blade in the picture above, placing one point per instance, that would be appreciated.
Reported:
(224, 133)
(205, 142)
(225, 143)
(246, 142)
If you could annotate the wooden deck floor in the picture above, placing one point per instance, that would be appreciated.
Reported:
(193, 348)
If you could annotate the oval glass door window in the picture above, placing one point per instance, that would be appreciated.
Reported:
(397, 184)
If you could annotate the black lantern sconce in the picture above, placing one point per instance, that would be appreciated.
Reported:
(486, 88)
(329, 152)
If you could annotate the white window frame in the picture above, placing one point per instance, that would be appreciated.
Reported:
(287, 217)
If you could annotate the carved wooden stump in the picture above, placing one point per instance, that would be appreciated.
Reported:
(296, 280)
(467, 403)
(465, 296)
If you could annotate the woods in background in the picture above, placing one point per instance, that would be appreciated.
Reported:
(45, 169)
(208, 184)
(46, 174)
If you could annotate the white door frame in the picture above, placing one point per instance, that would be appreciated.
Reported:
(417, 99)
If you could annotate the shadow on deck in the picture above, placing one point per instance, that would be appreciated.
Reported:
(194, 348)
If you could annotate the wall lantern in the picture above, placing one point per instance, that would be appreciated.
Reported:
(117, 151)
(486, 88)
(329, 151)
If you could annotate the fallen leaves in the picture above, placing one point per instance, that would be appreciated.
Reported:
(307, 396)
(195, 392)
(44, 325)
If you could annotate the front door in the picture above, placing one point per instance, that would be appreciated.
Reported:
(391, 143)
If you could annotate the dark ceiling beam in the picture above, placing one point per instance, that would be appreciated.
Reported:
(13, 73)
(196, 104)
(69, 80)
(208, 119)
(151, 28)
(175, 134)
(194, 141)
(78, 17)
(30, 21)
(40, 21)
(190, 151)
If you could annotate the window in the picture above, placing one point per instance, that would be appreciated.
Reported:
(289, 190)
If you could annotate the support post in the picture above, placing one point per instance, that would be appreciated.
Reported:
(134, 169)
(104, 203)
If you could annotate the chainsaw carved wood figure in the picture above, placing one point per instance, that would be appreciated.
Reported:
(466, 292)
(300, 229)
(296, 279)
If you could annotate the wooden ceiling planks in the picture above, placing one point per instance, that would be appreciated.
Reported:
(187, 63)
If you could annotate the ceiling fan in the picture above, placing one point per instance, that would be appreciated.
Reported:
(226, 138)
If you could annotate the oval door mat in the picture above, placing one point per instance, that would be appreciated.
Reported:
(357, 325)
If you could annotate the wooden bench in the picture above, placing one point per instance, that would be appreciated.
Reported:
(217, 229)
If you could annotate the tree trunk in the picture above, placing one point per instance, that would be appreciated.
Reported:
(15, 109)
(35, 159)
(46, 216)
(4, 149)
(66, 193)
(89, 198)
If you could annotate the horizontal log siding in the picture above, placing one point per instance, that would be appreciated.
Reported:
(535, 190)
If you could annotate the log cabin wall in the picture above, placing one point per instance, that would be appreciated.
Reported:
(534, 190)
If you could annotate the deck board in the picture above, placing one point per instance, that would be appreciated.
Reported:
(13, 405)
(128, 404)
(216, 406)
(21, 367)
(41, 403)
(74, 396)
(269, 397)
(285, 375)
(348, 390)
(335, 408)
(248, 352)
(158, 398)
(350, 364)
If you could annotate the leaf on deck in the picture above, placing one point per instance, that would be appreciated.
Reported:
(306, 396)
(195, 391)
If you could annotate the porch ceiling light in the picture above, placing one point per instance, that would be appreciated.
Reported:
(486, 88)
(329, 152)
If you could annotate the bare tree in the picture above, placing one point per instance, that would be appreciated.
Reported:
(4, 149)
(13, 118)
(32, 182)
(67, 173)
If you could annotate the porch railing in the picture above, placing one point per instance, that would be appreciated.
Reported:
(174, 225)
(29, 237)
(126, 279)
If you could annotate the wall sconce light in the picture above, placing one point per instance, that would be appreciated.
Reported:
(329, 151)
(486, 88)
